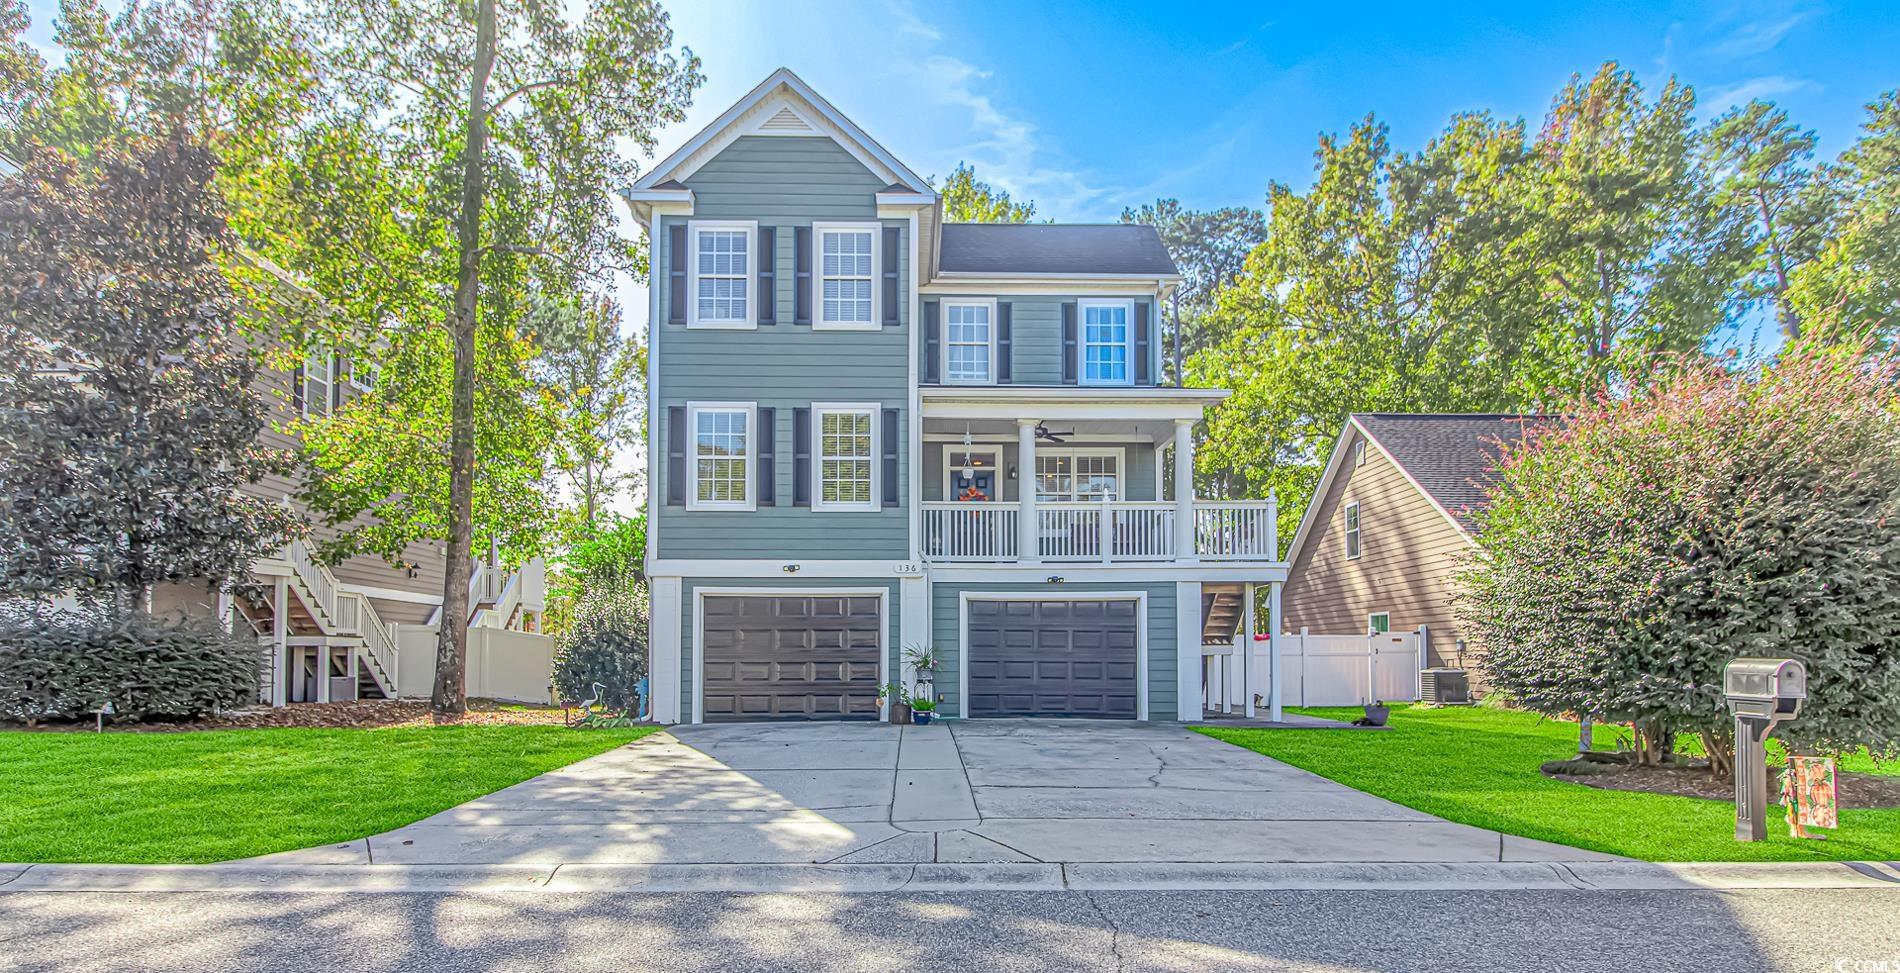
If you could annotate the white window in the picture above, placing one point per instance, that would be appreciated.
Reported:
(1076, 475)
(847, 457)
(1359, 453)
(318, 379)
(1107, 342)
(1352, 530)
(969, 342)
(721, 453)
(845, 286)
(1378, 623)
(720, 276)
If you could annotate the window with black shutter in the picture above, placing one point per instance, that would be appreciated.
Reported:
(768, 262)
(801, 457)
(676, 258)
(890, 457)
(1004, 346)
(676, 456)
(768, 457)
(801, 275)
(933, 344)
(889, 269)
(1069, 357)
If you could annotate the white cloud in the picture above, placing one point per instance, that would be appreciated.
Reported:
(1766, 87)
(1757, 36)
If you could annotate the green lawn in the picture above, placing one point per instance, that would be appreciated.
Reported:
(220, 794)
(1478, 766)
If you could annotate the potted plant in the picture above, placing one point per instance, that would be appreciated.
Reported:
(899, 699)
(923, 659)
(922, 709)
(1376, 713)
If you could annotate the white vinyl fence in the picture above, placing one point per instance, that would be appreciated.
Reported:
(1335, 670)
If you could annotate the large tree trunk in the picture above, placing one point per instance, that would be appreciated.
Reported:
(450, 698)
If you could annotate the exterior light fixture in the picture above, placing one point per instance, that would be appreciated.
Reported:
(1055, 579)
(791, 569)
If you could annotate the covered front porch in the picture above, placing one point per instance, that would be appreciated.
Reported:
(1067, 474)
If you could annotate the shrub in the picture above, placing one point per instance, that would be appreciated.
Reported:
(605, 642)
(60, 664)
(1627, 556)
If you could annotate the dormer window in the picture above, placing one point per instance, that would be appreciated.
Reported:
(721, 273)
(1107, 343)
(969, 346)
(845, 286)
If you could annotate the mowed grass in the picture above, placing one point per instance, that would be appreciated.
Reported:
(220, 794)
(1479, 766)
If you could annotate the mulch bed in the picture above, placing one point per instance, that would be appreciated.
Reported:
(361, 714)
(1856, 791)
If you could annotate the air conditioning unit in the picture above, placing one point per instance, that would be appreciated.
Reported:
(1444, 687)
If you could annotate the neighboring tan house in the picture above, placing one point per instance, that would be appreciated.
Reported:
(872, 430)
(1381, 540)
(367, 626)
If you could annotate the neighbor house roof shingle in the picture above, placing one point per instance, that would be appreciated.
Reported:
(1054, 248)
(1452, 457)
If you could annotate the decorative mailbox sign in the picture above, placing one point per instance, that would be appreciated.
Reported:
(1808, 788)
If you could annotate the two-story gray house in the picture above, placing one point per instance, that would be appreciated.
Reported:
(872, 431)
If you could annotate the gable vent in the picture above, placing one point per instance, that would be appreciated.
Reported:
(785, 122)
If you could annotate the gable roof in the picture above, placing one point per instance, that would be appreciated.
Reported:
(1048, 249)
(1449, 458)
(782, 104)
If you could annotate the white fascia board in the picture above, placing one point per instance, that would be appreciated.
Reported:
(1081, 572)
(775, 568)
(1069, 286)
(1079, 403)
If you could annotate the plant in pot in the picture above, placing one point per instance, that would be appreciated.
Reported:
(899, 698)
(1376, 713)
(922, 710)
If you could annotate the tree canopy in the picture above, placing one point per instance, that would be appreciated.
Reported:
(967, 199)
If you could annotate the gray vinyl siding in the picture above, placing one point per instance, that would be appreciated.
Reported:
(689, 603)
(1035, 326)
(1138, 479)
(782, 183)
(946, 634)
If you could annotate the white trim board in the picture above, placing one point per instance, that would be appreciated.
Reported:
(699, 629)
(1055, 593)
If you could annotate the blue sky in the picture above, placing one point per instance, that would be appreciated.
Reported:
(1089, 107)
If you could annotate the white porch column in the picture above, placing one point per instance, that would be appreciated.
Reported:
(1028, 534)
(663, 650)
(280, 643)
(1275, 637)
(1246, 647)
(323, 672)
(1190, 683)
(913, 628)
(1184, 490)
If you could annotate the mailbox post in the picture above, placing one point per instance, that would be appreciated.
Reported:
(1761, 693)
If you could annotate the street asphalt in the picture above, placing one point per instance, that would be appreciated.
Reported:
(1849, 931)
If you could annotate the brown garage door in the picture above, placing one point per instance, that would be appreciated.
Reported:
(1053, 658)
(791, 657)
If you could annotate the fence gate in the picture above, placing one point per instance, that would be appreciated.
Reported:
(1336, 670)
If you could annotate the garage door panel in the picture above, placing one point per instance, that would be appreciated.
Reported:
(790, 656)
(1053, 658)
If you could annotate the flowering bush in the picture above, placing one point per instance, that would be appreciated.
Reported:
(1632, 551)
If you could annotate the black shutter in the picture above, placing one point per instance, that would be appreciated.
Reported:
(676, 258)
(890, 276)
(296, 389)
(676, 455)
(1004, 349)
(339, 367)
(1069, 362)
(768, 261)
(801, 277)
(1142, 373)
(932, 347)
(890, 457)
(801, 457)
(768, 457)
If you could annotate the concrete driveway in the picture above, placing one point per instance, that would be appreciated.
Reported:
(979, 791)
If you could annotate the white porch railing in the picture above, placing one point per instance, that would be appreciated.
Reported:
(315, 579)
(1237, 530)
(359, 618)
(1108, 531)
(973, 531)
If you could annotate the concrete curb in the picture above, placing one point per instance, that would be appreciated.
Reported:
(949, 877)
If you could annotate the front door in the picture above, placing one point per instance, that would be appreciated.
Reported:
(973, 475)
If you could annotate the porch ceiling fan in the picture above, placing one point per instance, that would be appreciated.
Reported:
(1044, 432)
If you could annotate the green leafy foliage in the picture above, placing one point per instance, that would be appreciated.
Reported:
(1850, 292)
(595, 375)
(1210, 248)
(57, 664)
(604, 554)
(128, 421)
(605, 643)
(967, 199)
(1631, 552)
